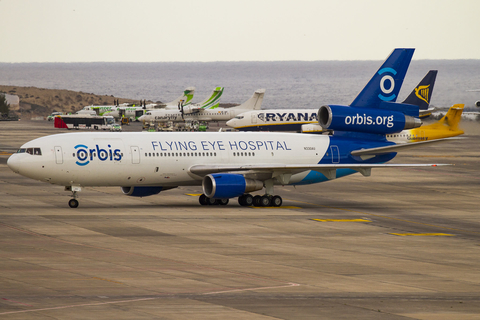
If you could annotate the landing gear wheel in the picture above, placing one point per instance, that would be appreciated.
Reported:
(256, 201)
(276, 201)
(212, 201)
(248, 199)
(73, 203)
(245, 200)
(203, 200)
(223, 202)
(265, 201)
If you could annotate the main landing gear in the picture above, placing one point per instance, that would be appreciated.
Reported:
(245, 200)
(205, 201)
(73, 203)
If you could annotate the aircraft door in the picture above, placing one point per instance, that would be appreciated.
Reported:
(254, 118)
(138, 114)
(135, 154)
(58, 155)
(121, 113)
(335, 154)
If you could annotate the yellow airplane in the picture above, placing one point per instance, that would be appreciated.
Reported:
(444, 128)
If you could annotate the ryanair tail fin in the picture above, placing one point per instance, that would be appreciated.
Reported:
(422, 94)
(186, 97)
(255, 102)
(386, 82)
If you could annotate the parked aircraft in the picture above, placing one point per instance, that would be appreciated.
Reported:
(206, 113)
(301, 120)
(422, 94)
(135, 111)
(232, 164)
(176, 114)
(444, 128)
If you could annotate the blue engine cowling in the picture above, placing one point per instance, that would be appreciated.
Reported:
(367, 120)
(228, 185)
(141, 191)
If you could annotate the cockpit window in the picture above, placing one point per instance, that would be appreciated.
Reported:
(33, 151)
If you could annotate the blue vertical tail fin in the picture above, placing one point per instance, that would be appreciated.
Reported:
(386, 82)
(422, 93)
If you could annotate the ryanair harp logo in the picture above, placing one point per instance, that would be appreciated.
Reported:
(422, 92)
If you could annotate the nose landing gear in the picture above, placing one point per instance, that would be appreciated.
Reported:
(73, 203)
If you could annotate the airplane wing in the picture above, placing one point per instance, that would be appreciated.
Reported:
(396, 147)
(329, 170)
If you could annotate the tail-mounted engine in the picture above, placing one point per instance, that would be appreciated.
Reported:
(367, 120)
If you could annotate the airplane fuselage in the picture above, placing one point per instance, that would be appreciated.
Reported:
(165, 159)
(274, 120)
(216, 114)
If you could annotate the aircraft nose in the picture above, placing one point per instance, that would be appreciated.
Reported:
(13, 163)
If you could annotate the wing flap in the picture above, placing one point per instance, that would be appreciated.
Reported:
(327, 169)
(396, 147)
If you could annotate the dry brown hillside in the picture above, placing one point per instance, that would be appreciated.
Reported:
(36, 102)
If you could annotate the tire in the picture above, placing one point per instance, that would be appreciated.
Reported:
(265, 201)
(203, 200)
(223, 202)
(248, 200)
(212, 201)
(73, 203)
(277, 201)
(256, 201)
(241, 200)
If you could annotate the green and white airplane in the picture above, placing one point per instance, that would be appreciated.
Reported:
(210, 111)
(133, 111)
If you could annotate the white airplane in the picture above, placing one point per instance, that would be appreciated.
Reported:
(205, 113)
(274, 120)
(186, 98)
(231, 164)
(135, 111)
(303, 120)
(169, 114)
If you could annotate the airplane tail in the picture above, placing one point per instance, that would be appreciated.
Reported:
(255, 102)
(387, 81)
(453, 117)
(422, 94)
(213, 101)
(186, 97)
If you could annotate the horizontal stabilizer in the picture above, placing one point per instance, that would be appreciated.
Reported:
(395, 147)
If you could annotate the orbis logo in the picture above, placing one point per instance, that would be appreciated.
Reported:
(369, 120)
(387, 84)
(85, 154)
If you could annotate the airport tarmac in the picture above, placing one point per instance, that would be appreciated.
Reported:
(401, 244)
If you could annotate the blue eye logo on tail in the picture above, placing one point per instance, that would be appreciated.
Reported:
(82, 154)
(387, 84)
